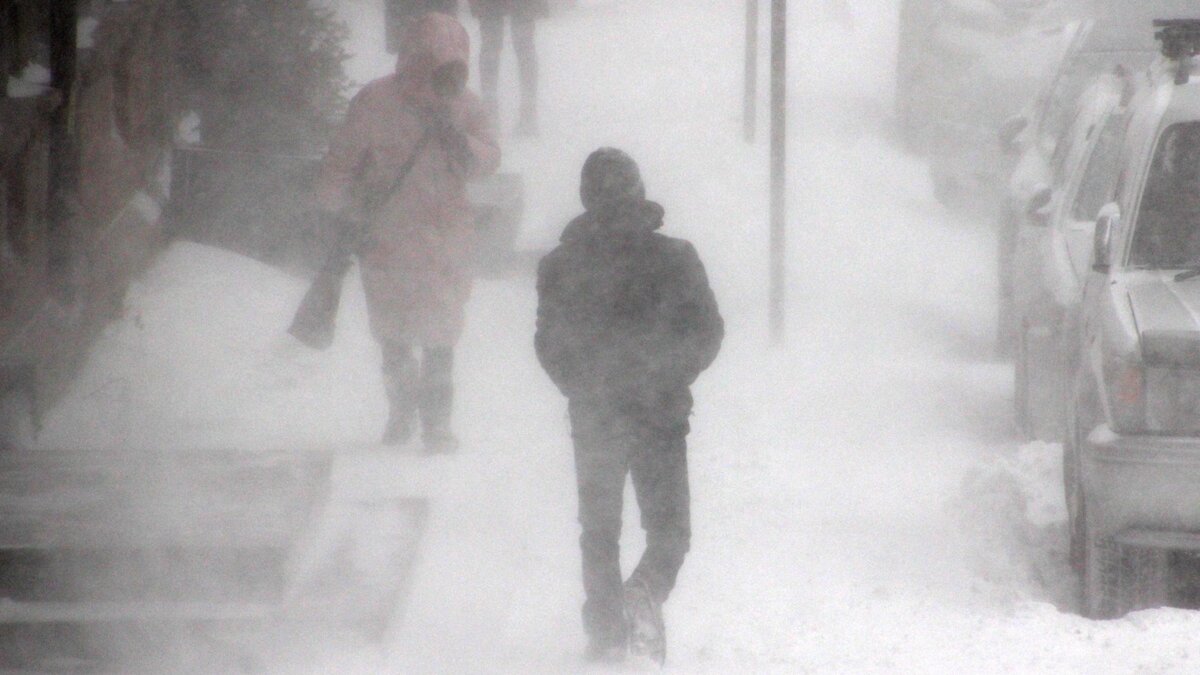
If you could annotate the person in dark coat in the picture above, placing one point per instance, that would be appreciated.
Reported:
(626, 321)
(399, 13)
(521, 16)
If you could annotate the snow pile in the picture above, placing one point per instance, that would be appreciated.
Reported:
(201, 359)
(1014, 512)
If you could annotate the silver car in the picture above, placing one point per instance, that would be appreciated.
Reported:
(1132, 446)
(1053, 249)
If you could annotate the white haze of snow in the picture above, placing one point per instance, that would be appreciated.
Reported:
(860, 504)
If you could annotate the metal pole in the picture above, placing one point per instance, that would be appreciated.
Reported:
(778, 165)
(750, 99)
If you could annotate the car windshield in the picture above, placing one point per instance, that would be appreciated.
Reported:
(1168, 224)
(1099, 179)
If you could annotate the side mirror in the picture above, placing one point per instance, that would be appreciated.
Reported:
(1108, 222)
(1038, 207)
(1008, 133)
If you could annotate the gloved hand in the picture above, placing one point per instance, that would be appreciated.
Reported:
(440, 123)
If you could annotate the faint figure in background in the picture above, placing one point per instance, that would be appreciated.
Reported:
(399, 13)
(522, 14)
(626, 322)
(838, 11)
(422, 124)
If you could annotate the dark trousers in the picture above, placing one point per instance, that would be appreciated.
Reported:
(427, 387)
(491, 30)
(610, 443)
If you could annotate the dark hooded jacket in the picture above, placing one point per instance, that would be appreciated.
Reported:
(625, 314)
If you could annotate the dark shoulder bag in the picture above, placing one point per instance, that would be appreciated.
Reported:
(314, 321)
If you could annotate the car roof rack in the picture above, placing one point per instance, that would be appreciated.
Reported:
(1180, 40)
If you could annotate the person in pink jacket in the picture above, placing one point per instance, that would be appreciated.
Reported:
(420, 123)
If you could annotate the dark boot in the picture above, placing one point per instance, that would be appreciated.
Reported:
(400, 383)
(643, 615)
(602, 652)
(608, 635)
(436, 400)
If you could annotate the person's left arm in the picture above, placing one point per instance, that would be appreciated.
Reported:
(694, 320)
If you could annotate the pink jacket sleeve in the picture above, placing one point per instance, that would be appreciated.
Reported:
(343, 160)
(481, 135)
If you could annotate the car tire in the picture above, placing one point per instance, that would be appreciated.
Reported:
(1145, 577)
(1073, 493)
(1076, 537)
(1021, 397)
(1101, 582)
(1120, 579)
(18, 427)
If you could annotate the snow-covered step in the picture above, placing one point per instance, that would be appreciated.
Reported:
(12, 611)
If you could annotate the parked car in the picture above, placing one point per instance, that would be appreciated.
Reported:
(1110, 33)
(1132, 445)
(963, 68)
(1053, 251)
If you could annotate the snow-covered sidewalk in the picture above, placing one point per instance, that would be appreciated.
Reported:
(859, 502)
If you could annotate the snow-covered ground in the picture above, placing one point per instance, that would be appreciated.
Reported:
(860, 504)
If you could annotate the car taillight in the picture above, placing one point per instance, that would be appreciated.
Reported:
(1127, 394)
(1130, 386)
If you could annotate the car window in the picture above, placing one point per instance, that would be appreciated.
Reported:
(1098, 183)
(1168, 222)
(1074, 76)
(1068, 85)
(1062, 148)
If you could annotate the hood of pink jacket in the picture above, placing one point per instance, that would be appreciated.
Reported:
(429, 42)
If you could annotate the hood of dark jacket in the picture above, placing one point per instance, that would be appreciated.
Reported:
(614, 198)
(639, 217)
(610, 181)
(432, 41)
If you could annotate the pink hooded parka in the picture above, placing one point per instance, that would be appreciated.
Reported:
(416, 262)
